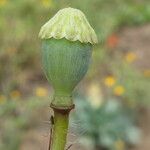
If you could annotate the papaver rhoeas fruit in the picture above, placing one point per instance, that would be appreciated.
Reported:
(67, 41)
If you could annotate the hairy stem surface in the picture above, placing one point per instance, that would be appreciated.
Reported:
(60, 129)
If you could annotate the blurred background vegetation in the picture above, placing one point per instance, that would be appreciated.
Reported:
(112, 102)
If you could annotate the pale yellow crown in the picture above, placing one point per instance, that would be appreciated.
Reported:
(71, 24)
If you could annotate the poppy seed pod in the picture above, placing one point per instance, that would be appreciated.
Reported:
(67, 41)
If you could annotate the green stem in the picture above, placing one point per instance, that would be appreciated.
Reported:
(60, 129)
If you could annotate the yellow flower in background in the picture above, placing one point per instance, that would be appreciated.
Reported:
(41, 92)
(3, 2)
(2, 99)
(130, 57)
(15, 94)
(146, 73)
(48, 3)
(109, 81)
(119, 90)
(119, 145)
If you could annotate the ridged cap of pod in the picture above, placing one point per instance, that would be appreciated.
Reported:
(71, 24)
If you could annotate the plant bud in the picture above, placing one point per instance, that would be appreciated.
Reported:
(67, 41)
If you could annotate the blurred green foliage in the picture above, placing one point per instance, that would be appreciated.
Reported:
(16, 118)
(20, 22)
(135, 84)
(109, 126)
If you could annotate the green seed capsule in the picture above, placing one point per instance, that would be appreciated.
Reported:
(66, 52)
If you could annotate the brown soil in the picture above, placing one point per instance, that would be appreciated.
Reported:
(137, 39)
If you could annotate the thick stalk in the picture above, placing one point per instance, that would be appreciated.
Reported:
(60, 129)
